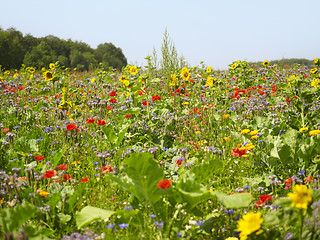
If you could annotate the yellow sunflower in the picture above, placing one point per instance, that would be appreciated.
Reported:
(133, 70)
(48, 75)
(266, 63)
(185, 73)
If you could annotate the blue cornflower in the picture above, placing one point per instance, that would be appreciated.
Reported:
(152, 216)
(123, 225)
(302, 172)
(179, 234)
(110, 225)
(246, 187)
(127, 208)
(158, 224)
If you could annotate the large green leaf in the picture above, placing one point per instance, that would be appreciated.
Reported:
(144, 173)
(234, 201)
(193, 194)
(12, 218)
(89, 214)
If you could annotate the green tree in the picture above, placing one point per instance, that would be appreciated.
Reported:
(40, 56)
(110, 56)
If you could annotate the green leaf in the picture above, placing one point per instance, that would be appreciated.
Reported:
(64, 218)
(12, 218)
(235, 201)
(89, 214)
(144, 173)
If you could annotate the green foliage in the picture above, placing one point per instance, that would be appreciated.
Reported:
(89, 214)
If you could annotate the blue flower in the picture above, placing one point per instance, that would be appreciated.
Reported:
(123, 225)
(179, 234)
(302, 172)
(110, 225)
(246, 187)
(152, 216)
(127, 208)
(158, 224)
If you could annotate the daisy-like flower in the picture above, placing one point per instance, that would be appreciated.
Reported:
(133, 70)
(209, 70)
(313, 70)
(185, 73)
(301, 196)
(315, 83)
(52, 66)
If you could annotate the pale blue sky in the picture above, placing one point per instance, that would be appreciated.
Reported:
(216, 32)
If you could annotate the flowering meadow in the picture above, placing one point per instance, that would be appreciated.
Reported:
(142, 153)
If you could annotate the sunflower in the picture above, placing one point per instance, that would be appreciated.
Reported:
(185, 73)
(52, 66)
(133, 70)
(233, 66)
(316, 60)
(48, 75)
(313, 70)
(32, 70)
(266, 63)
(209, 69)
(123, 78)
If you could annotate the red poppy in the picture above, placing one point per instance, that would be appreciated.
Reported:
(288, 180)
(140, 92)
(236, 152)
(21, 88)
(109, 108)
(71, 126)
(164, 183)
(112, 94)
(113, 100)
(56, 181)
(5, 130)
(101, 122)
(62, 166)
(128, 116)
(288, 100)
(85, 179)
(155, 97)
(106, 169)
(90, 120)
(39, 158)
(308, 179)
(263, 200)
(66, 177)
(144, 103)
(49, 174)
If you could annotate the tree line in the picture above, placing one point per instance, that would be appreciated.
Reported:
(16, 49)
(286, 62)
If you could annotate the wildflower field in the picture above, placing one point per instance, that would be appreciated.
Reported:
(148, 154)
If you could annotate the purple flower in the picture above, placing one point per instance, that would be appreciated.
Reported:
(127, 208)
(158, 224)
(123, 225)
(110, 225)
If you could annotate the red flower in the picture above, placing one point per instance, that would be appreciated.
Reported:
(140, 92)
(164, 183)
(39, 158)
(85, 179)
(101, 122)
(49, 174)
(128, 116)
(106, 169)
(90, 120)
(288, 100)
(113, 100)
(66, 177)
(109, 108)
(308, 179)
(263, 200)
(71, 126)
(236, 152)
(112, 94)
(62, 166)
(155, 97)
(144, 103)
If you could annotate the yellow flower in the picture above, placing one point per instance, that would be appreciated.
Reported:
(209, 70)
(233, 66)
(254, 137)
(185, 73)
(43, 193)
(265, 63)
(209, 81)
(52, 66)
(315, 83)
(15, 75)
(32, 70)
(232, 238)
(48, 75)
(253, 132)
(313, 70)
(303, 129)
(7, 72)
(224, 116)
(316, 60)
(126, 82)
(76, 162)
(301, 196)
(245, 131)
(185, 103)
(173, 81)
(92, 80)
(314, 132)
(133, 70)
(250, 223)
(123, 78)
(198, 132)
(1, 79)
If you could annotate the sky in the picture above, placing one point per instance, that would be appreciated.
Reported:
(212, 31)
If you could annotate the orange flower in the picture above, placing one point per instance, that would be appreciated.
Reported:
(101, 122)
(49, 174)
(90, 120)
(66, 177)
(5, 130)
(85, 179)
(62, 166)
(164, 183)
